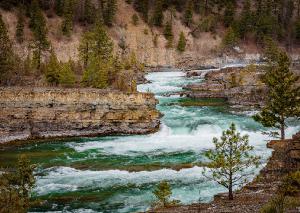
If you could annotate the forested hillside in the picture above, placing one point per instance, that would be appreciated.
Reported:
(73, 42)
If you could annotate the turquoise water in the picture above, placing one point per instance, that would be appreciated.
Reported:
(118, 174)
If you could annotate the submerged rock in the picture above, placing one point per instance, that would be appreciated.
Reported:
(36, 113)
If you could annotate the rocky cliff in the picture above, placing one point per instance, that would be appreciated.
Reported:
(27, 113)
(238, 85)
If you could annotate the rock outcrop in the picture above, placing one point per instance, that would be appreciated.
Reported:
(36, 113)
(239, 85)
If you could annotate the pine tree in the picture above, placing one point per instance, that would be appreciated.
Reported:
(59, 7)
(163, 194)
(135, 19)
(297, 30)
(109, 12)
(230, 39)
(68, 14)
(20, 27)
(6, 54)
(16, 187)
(230, 159)
(188, 13)
(85, 47)
(52, 70)
(96, 50)
(265, 21)
(67, 76)
(89, 12)
(142, 6)
(96, 74)
(283, 99)
(158, 16)
(229, 14)
(181, 43)
(38, 27)
(246, 22)
(168, 33)
(95, 43)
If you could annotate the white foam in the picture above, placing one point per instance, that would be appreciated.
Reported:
(61, 179)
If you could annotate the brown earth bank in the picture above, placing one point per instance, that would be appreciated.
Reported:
(251, 198)
(38, 113)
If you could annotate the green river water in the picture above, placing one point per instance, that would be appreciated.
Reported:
(118, 174)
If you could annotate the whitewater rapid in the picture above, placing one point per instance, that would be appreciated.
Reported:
(118, 174)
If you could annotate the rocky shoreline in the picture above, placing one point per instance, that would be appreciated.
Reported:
(252, 197)
(39, 113)
(238, 85)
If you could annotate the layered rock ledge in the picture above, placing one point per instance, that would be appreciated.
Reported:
(238, 85)
(36, 113)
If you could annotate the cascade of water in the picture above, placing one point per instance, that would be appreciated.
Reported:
(118, 174)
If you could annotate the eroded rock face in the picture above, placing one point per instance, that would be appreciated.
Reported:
(43, 113)
(240, 86)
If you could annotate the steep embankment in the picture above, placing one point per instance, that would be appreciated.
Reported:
(148, 43)
(42, 113)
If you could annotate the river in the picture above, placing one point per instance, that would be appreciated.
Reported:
(118, 174)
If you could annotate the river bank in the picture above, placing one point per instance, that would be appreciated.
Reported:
(119, 173)
(252, 197)
(41, 113)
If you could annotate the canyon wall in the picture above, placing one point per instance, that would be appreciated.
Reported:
(35, 113)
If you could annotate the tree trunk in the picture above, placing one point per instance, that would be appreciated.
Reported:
(206, 7)
(230, 193)
(282, 128)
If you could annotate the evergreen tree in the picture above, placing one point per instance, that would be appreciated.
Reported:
(15, 187)
(89, 12)
(68, 15)
(229, 160)
(265, 21)
(6, 54)
(85, 47)
(229, 14)
(230, 39)
(67, 76)
(246, 21)
(109, 12)
(38, 27)
(96, 74)
(158, 16)
(163, 194)
(59, 7)
(135, 19)
(96, 51)
(283, 98)
(297, 30)
(168, 33)
(52, 70)
(20, 27)
(142, 6)
(95, 43)
(181, 43)
(188, 13)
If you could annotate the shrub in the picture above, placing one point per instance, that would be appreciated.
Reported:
(163, 194)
